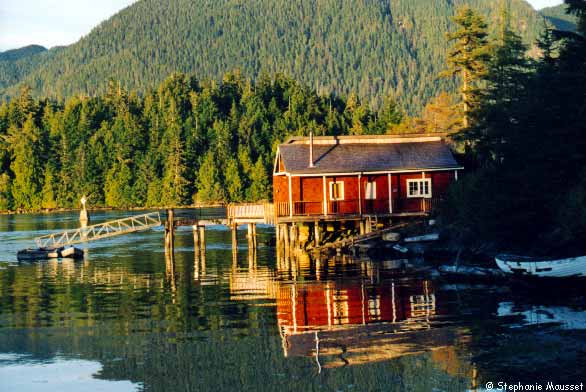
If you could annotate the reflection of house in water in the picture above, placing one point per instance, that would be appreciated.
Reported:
(355, 322)
(325, 305)
(344, 311)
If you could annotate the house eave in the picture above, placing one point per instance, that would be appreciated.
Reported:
(373, 172)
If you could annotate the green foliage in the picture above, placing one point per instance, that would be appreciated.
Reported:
(259, 187)
(468, 57)
(529, 146)
(210, 188)
(48, 193)
(26, 165)
(387, 47)
(5, 192)
(234, 187)
(118, 186)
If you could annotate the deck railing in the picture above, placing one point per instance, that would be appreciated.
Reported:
(308, 208)
(343, 207)
(355, 207)
(378, 206)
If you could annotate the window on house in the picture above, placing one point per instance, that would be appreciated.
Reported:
(337, 190)
(419, 188)
(370, 190)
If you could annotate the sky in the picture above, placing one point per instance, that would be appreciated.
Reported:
(63, 22)
(52, 22)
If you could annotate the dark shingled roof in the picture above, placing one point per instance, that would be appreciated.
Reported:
(367, 157)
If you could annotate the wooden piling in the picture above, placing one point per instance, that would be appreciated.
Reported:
(286, 237)
(202, 238)
(317, 233)
(196, 239)
(170, 232)
(234, 230)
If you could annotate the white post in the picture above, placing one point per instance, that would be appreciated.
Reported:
(290, 198)
(325, 206)
(456, 174)
(423, 198)
(390, 178)
(360, 193)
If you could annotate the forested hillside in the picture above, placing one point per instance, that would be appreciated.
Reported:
(17, 54)
(558, 17)
(369, 47)
(16, 64)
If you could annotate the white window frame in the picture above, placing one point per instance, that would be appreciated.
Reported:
(367, 194)
(331, 187)
(419, 192)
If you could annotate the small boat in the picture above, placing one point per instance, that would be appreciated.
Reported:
(32, 254)
(524, 266)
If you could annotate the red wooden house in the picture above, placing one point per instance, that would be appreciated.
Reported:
(351, 177)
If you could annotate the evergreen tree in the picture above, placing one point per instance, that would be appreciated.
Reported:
(233, 182)
(26, 166)
(5, 192)
(48, 193)
(209, 184)
(259, 186)
(175, 184)
(442, 115)
(468, 57)
(118, 186)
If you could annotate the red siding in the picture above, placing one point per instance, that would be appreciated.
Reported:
(280, 189)
(349, 205)
(311, 197)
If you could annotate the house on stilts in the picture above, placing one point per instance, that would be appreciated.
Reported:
(359, 181)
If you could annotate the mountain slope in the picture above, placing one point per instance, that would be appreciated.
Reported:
(17, 54)
(558, 17)
(16, 64)
(370, 47)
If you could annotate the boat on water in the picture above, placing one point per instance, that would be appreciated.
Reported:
(525, 266)
(33, 254)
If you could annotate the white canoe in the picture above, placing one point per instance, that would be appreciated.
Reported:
(542, 268)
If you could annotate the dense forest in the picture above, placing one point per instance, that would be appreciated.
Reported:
(371, 48)
(525, 143)
(187, 141)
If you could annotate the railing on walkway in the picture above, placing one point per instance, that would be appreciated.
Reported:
(251, 212)
(96, 232)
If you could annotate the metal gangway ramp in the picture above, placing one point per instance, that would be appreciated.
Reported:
(99, 231)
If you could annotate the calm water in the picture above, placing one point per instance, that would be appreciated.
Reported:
(129, 319)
